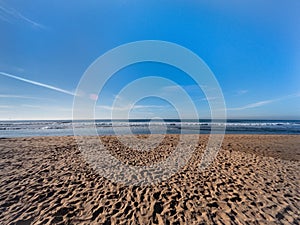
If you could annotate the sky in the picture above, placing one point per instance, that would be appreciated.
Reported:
(251, 46)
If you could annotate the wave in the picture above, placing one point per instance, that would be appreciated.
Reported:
(10, 128)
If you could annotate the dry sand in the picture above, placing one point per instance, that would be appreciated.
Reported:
(254, 180)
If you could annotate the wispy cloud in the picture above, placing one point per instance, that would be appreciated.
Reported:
(241, 92)
(37, 83)
(51, 108)
(129, 107)
(31, 106)
(5, 106)
(175, 88)
(8, 14)
(253, 105)
(265, 102)
(21, 96)
(209, 99)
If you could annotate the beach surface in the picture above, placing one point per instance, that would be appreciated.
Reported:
(255, 179)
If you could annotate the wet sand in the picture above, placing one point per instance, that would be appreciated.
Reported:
(254, 180)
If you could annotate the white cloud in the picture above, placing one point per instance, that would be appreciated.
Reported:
(208, 99)
(118, 97)
(175, 88)
(5, 106)
(129, 111)
(21, 96)
(31, 106)
(128, 107)
(8, 14)
(241, 92)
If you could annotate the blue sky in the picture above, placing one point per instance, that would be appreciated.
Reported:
(252, 47)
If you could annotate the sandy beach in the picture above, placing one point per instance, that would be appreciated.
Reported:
(255, 179)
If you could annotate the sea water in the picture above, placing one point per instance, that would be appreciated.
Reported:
(169, 126)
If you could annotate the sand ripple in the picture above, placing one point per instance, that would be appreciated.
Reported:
(254, 180)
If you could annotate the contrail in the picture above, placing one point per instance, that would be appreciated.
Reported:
(38, 83)
(7, 13)
(262, 103)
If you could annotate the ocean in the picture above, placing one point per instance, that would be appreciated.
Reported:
(169, 126)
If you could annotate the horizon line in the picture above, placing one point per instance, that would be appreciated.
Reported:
(4, 120)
